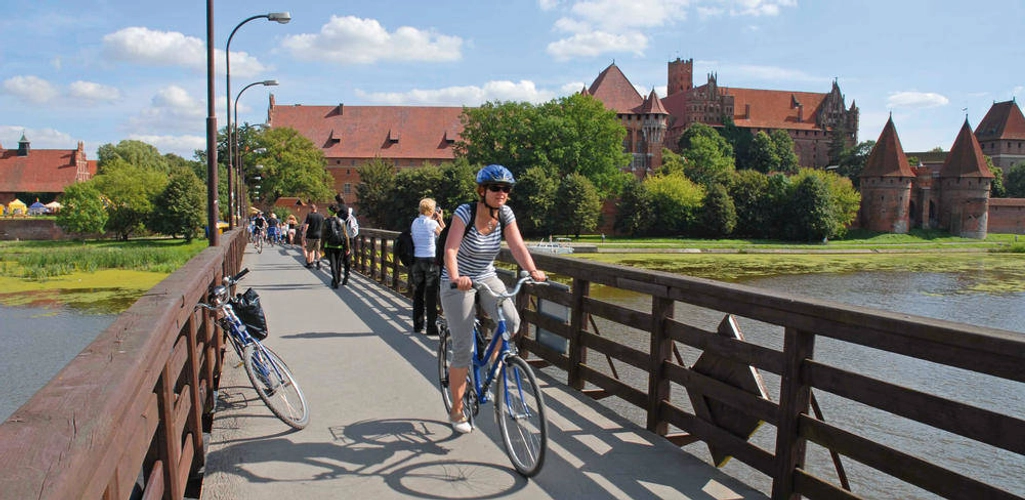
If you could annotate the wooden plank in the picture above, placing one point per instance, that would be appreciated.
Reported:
(992, 428)
(155, 483)
(815, 488)
(928, 476)
(738, 350)
(739, 449)
(794, 398)
(628, 355)
(738, 400)
(618, 314)
(135, 453)
(660, 352)
(614, 387)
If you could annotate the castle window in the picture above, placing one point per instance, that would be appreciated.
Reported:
(347, 188)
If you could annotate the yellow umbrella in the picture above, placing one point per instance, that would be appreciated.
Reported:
(17, 207)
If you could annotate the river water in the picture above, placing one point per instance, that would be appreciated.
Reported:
(36, 343)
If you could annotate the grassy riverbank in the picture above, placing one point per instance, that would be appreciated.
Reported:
(94, 276)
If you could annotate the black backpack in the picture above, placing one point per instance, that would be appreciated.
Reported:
(439, 251)
(404, 247)
(248, 309)
(335, 232)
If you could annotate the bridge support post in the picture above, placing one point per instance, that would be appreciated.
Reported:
(661, 351)
(577, 323)
(794, 398)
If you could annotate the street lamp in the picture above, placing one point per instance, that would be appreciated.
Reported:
(279, 17)
(238, 157)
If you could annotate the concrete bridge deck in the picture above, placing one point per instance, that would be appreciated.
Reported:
(378, 428)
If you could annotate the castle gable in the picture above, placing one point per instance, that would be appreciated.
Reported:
(965, 158)
(651, 105)
(1003, 121)
(887, 158)
(615, 91)
(366, 132)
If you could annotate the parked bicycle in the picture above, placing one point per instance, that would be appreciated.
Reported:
(270, 376)
(519, 405)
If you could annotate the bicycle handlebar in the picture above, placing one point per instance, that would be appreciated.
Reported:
(524, 278)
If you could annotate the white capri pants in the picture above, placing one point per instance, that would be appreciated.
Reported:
(459, 312)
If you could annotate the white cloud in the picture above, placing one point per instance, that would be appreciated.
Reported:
(352, 40)
(470, 95)
(140, 45)
(547, 4)
(916, 100)
(172, 108)
(772, 73)
(42, 138)
(30, 88)
(759, 7)
(596, 43)
(181, 145)
(93, 92)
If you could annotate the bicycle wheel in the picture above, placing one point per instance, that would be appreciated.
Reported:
(520, 412)
(259, 244)
(275, 385)
(444, 360)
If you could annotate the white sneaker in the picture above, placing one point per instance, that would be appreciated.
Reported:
(461, 425)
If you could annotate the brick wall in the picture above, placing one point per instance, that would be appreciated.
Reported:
(27, 228)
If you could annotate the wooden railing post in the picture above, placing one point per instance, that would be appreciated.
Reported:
(794, 398)
(195, 418)
(661, 351)
(577, 322)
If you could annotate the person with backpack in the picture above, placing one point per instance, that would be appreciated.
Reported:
(425, 272)
(470, 250)
(336, 243)
(311, 239)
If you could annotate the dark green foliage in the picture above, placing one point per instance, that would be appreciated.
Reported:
(82, 211)
(750, 190)
(291, 166)
(130, 191)
(811, 216)
(784, 149)
(719, 215)
(997, 190)
(636, 210)
(853, 160)
(762, 154)
(377, 178)
(1014, 182)
(180, 209)
(577, 206)
(533, 201)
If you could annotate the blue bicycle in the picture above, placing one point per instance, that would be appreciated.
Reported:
(519, 405)
(269, 375)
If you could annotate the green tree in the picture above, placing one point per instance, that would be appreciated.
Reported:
(578, 205)
(533, 200)
(376, 180)
(811, 215)
(740, 140)
(853, 160)
(708, 159)
(573, 134)
(291, 166)
(783, 146)
(181, 207)
(749, 191)
(1014, 183)
(997, 190)
(706, 131)
(837, 143)
(763, 157)
(636, 214)
(775, 202)
(719, 214)
(83, 212)
(130, 191)
(458, 185)
(675, 201)
(410, 186)
(843, 199)
(131, 152)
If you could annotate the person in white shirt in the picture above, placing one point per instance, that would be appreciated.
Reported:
(425, 272)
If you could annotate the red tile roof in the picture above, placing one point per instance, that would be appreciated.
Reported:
(42, 170)
(773, 109)
(614, 90)
(887, 158)
(652, 105)
(1003, 121)
(374, 131)
(965, 158)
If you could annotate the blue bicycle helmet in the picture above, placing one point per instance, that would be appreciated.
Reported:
(495, 174)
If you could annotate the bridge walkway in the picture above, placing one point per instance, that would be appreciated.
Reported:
(378, 427)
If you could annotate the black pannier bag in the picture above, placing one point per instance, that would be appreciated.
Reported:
(247, 307)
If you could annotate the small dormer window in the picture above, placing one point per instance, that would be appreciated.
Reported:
(393, 136)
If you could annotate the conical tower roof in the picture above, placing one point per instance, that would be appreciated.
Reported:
(652, 105)
(887, 158)
(965, 158)
(1003, 121)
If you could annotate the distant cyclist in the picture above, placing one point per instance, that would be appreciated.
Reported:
(469, 258)
(259, 225)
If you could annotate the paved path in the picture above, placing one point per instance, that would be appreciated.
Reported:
(378, 428)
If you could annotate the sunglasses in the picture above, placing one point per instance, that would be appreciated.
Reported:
(494, 188)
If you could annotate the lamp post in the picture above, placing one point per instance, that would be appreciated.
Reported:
(211, 132)
(279, 17)
(238, 157)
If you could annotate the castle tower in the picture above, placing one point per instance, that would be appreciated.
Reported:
(681, 76)
(886, 185)
(1001, 134)
(965, 182)
(654, 120)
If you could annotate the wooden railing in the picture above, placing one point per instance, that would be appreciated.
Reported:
(591, 363)
(126, 417)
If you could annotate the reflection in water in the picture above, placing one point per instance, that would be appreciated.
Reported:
(948, 296)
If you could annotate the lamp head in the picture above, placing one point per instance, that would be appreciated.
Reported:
(270, 83)
(281, 17)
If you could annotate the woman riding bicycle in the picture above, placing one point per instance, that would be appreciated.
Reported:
(470, 252)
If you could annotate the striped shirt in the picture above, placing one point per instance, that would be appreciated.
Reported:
(424, 236)
(477, 252)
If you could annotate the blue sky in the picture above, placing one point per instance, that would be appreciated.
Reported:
(105, 71)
